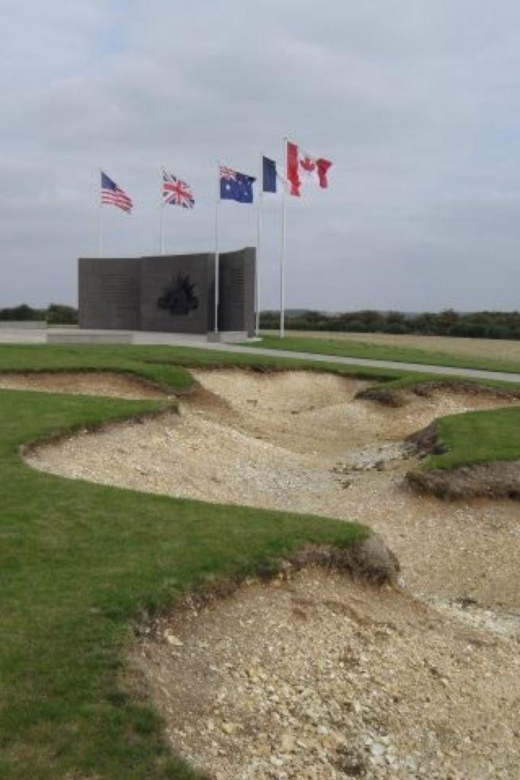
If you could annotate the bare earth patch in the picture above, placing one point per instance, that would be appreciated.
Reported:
(484, 480)
(105, 383)
(317, 677)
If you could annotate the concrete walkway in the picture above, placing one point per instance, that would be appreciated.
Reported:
(418, 368)
(74, 335)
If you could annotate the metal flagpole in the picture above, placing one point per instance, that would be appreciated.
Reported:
(162, 229)
(100, 247)
(258, 241)
(100, 210)
(161, 226)
(216, 248)
(282, 252)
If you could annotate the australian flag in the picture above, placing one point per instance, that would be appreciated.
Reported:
(236, 186)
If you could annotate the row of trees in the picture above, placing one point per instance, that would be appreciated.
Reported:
(54, 314)
(482, 324)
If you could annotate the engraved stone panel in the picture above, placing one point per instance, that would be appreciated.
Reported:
(169, 293)
(109, 293)
(237, 290)
(174, 293)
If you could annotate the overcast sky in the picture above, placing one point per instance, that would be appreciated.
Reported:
(416, 102)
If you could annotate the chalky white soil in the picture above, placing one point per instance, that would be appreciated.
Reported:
(317, 677)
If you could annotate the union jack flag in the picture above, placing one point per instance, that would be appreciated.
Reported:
(177, 192)
(228, 173)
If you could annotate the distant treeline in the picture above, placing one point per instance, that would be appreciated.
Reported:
(54, 314)
(481, 324)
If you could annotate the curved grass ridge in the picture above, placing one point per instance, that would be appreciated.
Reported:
(478, 437)
(471, 455)
(81, 562)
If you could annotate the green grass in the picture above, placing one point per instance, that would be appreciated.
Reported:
(79, 563)
(360, 349)
(478, 437)
(163, 365)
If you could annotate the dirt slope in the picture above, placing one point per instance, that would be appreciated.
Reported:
(317, 677)
(302, 441)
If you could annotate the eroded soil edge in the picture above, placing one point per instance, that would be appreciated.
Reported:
(313, 675)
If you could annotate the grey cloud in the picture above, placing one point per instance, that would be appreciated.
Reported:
(416, 103)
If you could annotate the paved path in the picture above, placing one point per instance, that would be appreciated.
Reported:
(199, 342)
(418, 368)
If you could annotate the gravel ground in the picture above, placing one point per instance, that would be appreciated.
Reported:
(318, 677)
(301, 441)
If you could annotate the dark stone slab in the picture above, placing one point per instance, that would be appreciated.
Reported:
(237, 291)
(168, 293)
(109, 293)
(175, 293)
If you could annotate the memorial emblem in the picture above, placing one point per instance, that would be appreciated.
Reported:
(178, 296)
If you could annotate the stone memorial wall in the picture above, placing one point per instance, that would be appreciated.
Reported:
(109, 293)
(168, 293)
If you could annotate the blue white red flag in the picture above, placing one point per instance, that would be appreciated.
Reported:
(236, 186)
(177, 192)
(113, 195)
(269, 175)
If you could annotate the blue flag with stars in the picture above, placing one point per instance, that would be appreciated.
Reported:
(236, 186)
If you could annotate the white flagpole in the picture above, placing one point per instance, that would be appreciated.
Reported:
(162, 230)
(217, 259)
(161, 221)
(282, 251)
(258, 242)
(99, 241)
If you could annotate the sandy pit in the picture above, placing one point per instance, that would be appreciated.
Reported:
(420, 683)
(105, 383)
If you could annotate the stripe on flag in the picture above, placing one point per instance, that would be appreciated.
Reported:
(113, 195)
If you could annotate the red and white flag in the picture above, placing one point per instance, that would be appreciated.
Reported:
(113, 195)
(177, 192)
(302, 166)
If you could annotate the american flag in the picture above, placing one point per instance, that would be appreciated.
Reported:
(114, 195)
(177, 192)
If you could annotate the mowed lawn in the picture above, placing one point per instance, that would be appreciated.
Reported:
(81, 564)
(425, 350)
(489, 349)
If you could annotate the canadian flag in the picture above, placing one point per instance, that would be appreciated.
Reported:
(301, 165)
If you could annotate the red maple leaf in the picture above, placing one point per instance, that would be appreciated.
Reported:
(307, 164)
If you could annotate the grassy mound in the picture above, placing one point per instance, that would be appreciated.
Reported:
(80, 564)
(476, 454)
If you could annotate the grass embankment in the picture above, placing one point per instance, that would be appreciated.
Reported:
(478, 437)
(79, 562)
(370, 351)
(163, 365)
